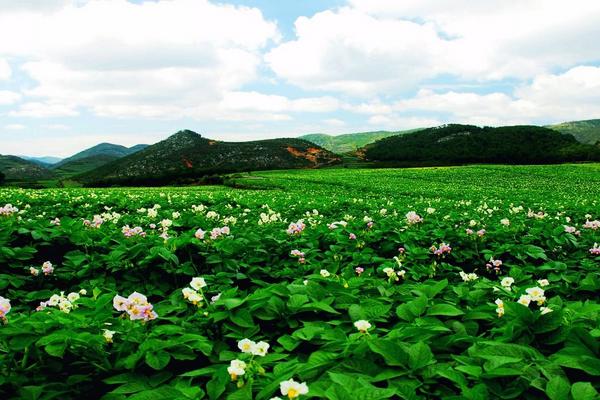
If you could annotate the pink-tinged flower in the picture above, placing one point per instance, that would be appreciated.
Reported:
(359, 270)
(47, 268)
(594, 225)
(572, 230)
(481, 233)
(152, 226)
(136, 306)
(369, 224)
(8, 209)
(442, 250)
(296, 228)
(130, 232)
(200, 234)
(352, 236)
(296, 253)
(469, 231)
(595, 250)
(225, 230)
(4, 308)
(34, 271)
(401, 250)
(413, 218)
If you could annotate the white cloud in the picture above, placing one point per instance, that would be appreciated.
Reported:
(43, 110)
(8, 97)
(158, 59)
(56, 127)
(14, 127)
(380, 47)
(352, 52)
(254, 101)
(5, 70)
(572, 95)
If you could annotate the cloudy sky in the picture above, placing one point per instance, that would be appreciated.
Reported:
(76, 73)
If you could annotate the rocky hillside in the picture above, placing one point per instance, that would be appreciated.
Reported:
(188, 155)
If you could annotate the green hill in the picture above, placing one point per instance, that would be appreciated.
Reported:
(350, 141)
(85, 164)
(93, 158)
(102, 149)
(457, 144)
(186, 156)
(584, 131)
(18, 169)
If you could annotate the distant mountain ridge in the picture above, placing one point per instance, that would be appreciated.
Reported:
(457, 144)
(46, 160)
(587, 131)
(348, 142)
(186, 154)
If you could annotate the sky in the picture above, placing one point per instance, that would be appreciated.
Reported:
(74, 73)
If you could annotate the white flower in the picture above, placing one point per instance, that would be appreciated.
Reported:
(507, 282)
(525, 299)
(324, 273)
(500, 307)
(413, 218)
(83, 292)
(73, 296)
(545, 310)
(293, 389)
(199, 234)
(198, 283)
(108, 335)
(468, 277)
(260, 349)
(236, 368)
(430, 210)
(34, 271)
(543, 282)
(362, 325)
(536, 294)
(505, 221)
(246, 345)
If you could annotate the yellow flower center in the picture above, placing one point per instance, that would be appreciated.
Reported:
(292, 393)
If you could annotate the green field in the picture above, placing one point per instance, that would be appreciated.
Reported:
(476, 282)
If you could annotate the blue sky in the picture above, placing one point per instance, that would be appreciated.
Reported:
(252, 69)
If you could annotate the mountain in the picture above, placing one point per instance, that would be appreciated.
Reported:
(93, 158)
(18, 169)
(106, 149)
(350, 141)
(457, 144)
(44, 161)
(584, 131)
(187, 155)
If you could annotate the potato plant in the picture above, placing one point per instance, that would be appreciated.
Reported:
(457, 283)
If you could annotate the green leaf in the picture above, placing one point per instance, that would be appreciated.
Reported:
(558, 388)
(216, 386)
(583, 391)
(419, 355)
(444, 310)
(158, 360)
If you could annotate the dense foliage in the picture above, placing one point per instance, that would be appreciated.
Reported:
(456, 144)
(187, 154)
(465, 283)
